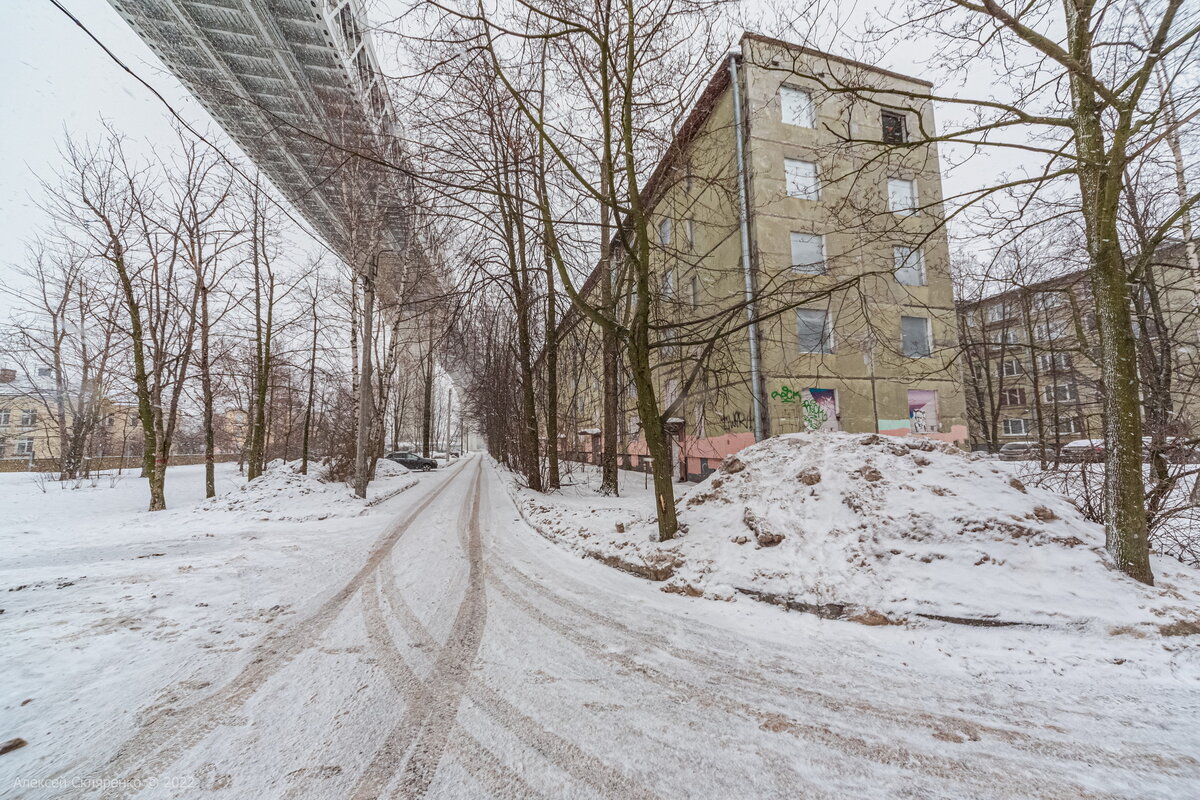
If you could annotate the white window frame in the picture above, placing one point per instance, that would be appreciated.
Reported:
(694, 291)
(5, 417)
(928, 337)
(900, 258)
(1007, 427)
(1006, 373)
(826, 336)
(689, 230)
(811, 268)
(1051, 393)
(28, 417)
(24, 446)
(893, 195)
(1022, 398)
(802, 107)
(1070, 425)
(664, 231)
(807, 192)
(668, 283)
(1047, 361)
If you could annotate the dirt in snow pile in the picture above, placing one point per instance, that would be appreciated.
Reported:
(283, 493)
(884, 529)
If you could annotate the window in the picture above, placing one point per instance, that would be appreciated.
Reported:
(1010, 367)
(808, 253)
(1052, 362)
(668, 284)
(894, 129)
(996, 312)
(694, 291)
(24, 447)
(813, 330)
(902, 196)
(914, 337)
(1005, 336)
(801, 178)
(664, 231)
(797, 107)
(45, 372)
(689, 230)
(1044, 301)
(1012, 397)
(1015, 427)
(1060, 393)
(1069, 425)
(1049, 331)
(4, 417)
(910, 266)
(28, 417)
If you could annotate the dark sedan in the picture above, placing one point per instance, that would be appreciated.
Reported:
(412, 461)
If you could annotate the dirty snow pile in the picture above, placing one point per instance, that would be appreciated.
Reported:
(283, 493)
(883, 529)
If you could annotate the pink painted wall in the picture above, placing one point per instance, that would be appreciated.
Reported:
(958, 433)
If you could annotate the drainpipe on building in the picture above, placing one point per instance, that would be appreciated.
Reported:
(756, 387)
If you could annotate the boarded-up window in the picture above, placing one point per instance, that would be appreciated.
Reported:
(797, 106)
(922, 410)
(802, 179)
(813, 331)
(914, 337)
(902, 195)
(910, 266)
(808, 253)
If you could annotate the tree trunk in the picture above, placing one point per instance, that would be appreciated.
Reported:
(551, 354)
(1100, 183)
(206, 388)
(312, 387)
(427, 413)
(365, 395)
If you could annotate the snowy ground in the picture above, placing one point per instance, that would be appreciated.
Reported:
(435, 646)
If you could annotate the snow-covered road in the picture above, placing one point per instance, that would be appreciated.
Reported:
(467, 657)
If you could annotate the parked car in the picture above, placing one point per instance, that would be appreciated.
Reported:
(1024, 451)
(412, 461)
(1083, 451)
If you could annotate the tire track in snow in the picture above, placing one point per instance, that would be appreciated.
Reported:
(474, 756)
(166, 737)
(937, 723)
(430, 715)
(949, 771)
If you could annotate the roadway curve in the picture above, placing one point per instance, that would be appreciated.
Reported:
(470, 658)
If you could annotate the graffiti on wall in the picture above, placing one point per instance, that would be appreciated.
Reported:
(922, 411)
(818, 406)
(734, 421)
(820, 410)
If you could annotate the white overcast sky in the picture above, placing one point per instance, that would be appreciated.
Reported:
(52, 78)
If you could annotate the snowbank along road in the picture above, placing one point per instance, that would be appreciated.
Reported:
(467, 657)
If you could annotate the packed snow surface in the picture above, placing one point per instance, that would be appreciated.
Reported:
(434, 646)
(879, 528)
